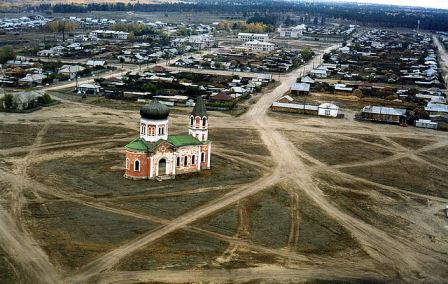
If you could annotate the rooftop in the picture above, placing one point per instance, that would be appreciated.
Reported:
(140, 145)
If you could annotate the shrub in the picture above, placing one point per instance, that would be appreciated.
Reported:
(8, 101)
(44, 99)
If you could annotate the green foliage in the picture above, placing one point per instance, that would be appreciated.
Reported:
(193, 91)
(8, 101)
(266, 19)
(149, 87)
(221, 104)
(307, 54)
(32, 104)
(182, 32)
(44, 99)
(7, 53)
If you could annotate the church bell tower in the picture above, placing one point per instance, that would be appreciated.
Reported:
(198, 126)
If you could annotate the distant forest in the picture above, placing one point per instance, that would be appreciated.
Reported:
(387, 16)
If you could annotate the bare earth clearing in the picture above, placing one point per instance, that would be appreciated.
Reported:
(289, 199)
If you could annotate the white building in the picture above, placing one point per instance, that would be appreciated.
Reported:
(259, 46)
(96, 63)
(90, 89)
(109, 34)
(71, 70)
(30, 79)
(252, 37)
(328, 109)
(292, 32)
(195, 41)
(426, 123)
(319, 73)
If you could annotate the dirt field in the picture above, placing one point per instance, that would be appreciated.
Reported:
(288, 199)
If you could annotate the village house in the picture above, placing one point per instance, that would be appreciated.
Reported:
(301, 89)
(198, 42)
(32, 79)
(88, 89)
(292, 32)
(319, 73)
(308, 80)
(71, 70)
(107, 34)
(426, 123)
(259, 46)
(157, 155)
(287, 104)
(252, 37)
(382, 114)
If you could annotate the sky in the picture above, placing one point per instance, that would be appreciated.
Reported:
(441, 4)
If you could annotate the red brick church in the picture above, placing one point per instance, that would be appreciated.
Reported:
(159, 155)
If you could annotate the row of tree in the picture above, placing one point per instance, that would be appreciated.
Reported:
(431, 19)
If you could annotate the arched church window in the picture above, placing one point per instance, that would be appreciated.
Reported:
(191, 121)
(185, 161)
(202, 157)
(204, 122)
(198, 122)
(137, 166)
(193, 159)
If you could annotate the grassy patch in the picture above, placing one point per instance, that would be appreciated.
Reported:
(169, 207)
(321, 234)
(334, 150)
(95, 175)
(406, 174)
(244, 140)
(179, 250)
(17, 135)
(224, 222)
(270, 218)
(412, 143)
(68, 132)
(8, 271)
(74, 234)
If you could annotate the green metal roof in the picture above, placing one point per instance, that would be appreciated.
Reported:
(140, 145)
(183, 140)
(199, 108)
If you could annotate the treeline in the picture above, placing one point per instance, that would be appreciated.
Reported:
(268, 12)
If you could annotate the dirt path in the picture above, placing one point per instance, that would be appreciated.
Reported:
(443, 58)
(254, 117)
(288, 165)
(15, 239)
(268, 274)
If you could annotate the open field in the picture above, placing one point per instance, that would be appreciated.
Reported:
(288, 199)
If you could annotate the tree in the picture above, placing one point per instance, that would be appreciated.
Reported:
(307, 54)
(8, 101)
(7, 53)
(45, 99)
(62, 26)
(358, 93)
(149, 87)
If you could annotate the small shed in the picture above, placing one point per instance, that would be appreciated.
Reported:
(90, 89)
(308, 80)
(328, 109)
(426, 123)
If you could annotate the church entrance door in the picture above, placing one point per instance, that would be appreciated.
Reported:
(162, 167)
